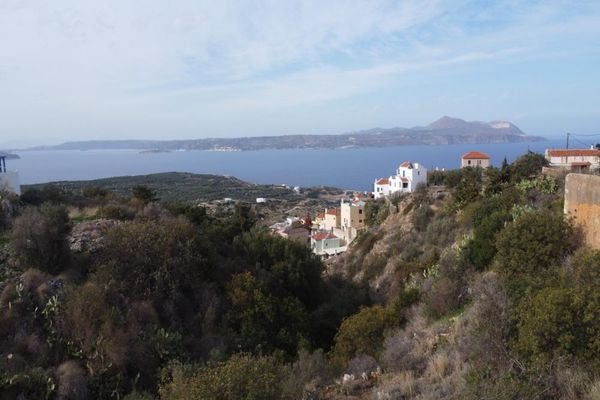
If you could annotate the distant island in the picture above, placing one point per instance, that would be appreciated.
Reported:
(446, 130)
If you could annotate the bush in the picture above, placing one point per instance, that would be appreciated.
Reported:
(534, 242)
(361, 334)
(39, 238)
(116, 211)
(242, 377)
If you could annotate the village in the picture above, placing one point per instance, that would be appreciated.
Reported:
(331, 231)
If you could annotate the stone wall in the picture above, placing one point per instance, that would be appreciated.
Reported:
(582, 201)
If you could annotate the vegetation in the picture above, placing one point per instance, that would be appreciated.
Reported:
(483, 293)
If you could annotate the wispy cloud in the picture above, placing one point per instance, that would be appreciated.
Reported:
(122, 67)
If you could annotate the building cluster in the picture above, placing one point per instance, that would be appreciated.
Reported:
(331, 231)
(408, 176)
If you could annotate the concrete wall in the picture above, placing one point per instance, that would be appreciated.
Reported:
(582, 201)
(10, 181)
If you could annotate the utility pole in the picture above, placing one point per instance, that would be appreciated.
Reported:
(568, 134)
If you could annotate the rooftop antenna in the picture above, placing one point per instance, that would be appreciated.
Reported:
(568, 134)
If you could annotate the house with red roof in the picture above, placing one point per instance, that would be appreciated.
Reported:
(381, 187)
(577, 160)
(408, 176)
(325, 243)
(475, 159)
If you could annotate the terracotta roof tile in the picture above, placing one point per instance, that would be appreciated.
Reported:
(323, 236)
(574, 153)
(406, 164)
(383, 181)
(475, 155)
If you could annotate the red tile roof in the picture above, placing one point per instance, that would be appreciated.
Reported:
(475, 155)
(383, 181)
(406, 164)
(323, 236)
(333, 211)
(403, 179)
(574, 153)
(321, 215)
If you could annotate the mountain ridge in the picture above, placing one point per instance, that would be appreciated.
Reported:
(446, 130)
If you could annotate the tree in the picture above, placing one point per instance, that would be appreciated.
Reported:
(39, 238)
(144, 194)
(262, 322)
(156, 260)
(527, 165)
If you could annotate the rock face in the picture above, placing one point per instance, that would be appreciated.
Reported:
(582, 202)
(87, 236)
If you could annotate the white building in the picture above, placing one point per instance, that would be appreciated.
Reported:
(381, 187)
(9, 180)
(408, 177)
(578, 160)
(326, 244)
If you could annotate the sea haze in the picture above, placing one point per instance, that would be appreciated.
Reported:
(345, 168)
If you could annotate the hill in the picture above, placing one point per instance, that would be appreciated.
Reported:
(446, 130)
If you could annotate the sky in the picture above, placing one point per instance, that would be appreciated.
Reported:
(180, 69)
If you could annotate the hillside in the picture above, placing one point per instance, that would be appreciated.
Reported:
(475, 288)
(444, 131)
(188, 187)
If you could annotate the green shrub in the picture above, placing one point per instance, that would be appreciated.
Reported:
(242, 377)
(535, 241)
(39, 238)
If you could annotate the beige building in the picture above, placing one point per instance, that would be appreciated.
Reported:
(475, 159)
(331, 219)
(352, 219)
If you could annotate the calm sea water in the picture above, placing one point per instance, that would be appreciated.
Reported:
(345, 168)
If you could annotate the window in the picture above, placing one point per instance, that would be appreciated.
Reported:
(360, 221)
(405, 185)
(360, 211)
(469, 162)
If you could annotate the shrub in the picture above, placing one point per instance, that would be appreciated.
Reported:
(361, 333)
(242, 377)
(116, 211)
(39, 238)
(534, 242)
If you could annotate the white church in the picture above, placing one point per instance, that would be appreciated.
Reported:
(408, 176)
(9, 180)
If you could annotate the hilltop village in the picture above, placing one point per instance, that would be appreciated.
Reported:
(329, 232)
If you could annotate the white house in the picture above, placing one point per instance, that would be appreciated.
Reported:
(326, 244)
(9, 180)
(407, 178)
(381, 187)
(578, 160)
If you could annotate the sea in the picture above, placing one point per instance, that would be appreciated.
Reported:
(353, 168)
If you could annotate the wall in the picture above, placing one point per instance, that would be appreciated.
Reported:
(10, 181)
(582, 201)
(475, 162)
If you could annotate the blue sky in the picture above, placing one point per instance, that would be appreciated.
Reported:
(117, 69)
